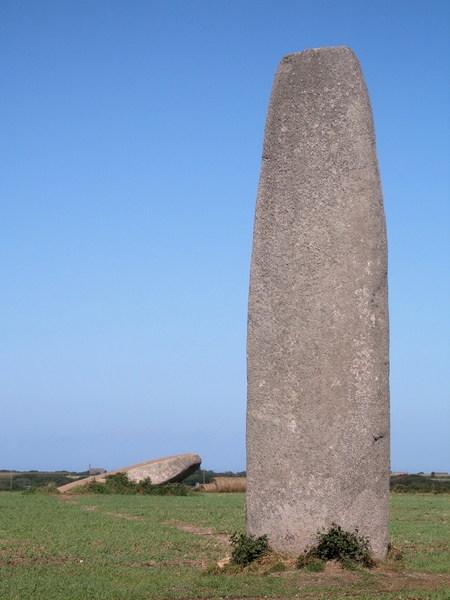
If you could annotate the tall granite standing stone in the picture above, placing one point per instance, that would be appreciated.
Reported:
(318, 333)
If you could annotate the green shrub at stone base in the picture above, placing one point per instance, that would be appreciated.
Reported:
(248, 548)
(348, 548)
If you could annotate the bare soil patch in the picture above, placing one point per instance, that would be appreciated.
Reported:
(124, 516)
(380, 580)
(67, 498)
(16, 553)
(205, 531)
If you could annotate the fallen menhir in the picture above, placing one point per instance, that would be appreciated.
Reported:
(170, 469)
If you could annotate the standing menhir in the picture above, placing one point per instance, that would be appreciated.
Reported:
(318, 332)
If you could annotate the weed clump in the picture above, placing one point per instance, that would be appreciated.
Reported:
(119, 483)
(394, 553)
(145, 487)
(276, 567)
(113, 484)
(47, 489)
(248, 548)
(310, 564)
(347, 547)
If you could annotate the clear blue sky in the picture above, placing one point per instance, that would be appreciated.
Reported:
(131, 136)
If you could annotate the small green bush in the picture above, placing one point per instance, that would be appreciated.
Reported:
(247, 548)
(145, 487)
(49, 488)
(171, 489)
(277, 567)
(309, 563)
(347, 547)
(315, 565)
(119, 483)
(92, 487)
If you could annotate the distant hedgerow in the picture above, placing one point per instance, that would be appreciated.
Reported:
(419, 484)
(49, 488)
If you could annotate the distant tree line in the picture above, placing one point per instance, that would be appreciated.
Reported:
(17, 480)
(419, 484)
(26, 480)
(400, 484)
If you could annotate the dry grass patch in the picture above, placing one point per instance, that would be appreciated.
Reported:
(122, 516)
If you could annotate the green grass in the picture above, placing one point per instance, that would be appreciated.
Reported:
(136, 547)
(420, 525)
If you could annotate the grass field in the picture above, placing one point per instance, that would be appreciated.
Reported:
(136, 547)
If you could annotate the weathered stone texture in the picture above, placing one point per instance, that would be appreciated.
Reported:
(160, 470)
(318, 333)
